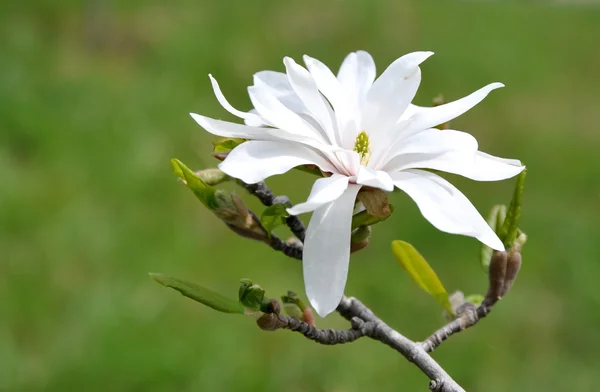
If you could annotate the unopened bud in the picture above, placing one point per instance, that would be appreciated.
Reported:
(360, 238)
(237, 217)
(375, 201)
(270, 322)
(361, 234)
(497, 273)
(513, 266)
(212, 176)
(271, 306)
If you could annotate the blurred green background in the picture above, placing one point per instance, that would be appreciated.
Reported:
(94, 101)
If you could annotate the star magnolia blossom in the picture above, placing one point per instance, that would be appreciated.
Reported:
(360, 131)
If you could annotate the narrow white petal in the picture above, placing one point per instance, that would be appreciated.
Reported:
(424, 118)
(277, 82)
(508, 161)
(306, 89)
(251, 117)
(427, 144)
(229, 129)
(253, 161)
(478, 167)
(393, 91)
(324, 190)
(256, 121)
(273, 111)
(357, 74)
(331, 88)
(375, 178)
(445, 207)
(327, 252)
(490, 168)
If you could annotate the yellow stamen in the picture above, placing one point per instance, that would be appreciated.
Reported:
(361, 146)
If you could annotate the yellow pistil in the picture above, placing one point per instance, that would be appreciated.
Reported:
(361, 146)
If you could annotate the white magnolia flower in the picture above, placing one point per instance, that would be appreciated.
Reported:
(361, 131)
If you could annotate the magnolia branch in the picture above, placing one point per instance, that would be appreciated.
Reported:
(503, 270)
(364, 322)
(264, 194)
(327, 336)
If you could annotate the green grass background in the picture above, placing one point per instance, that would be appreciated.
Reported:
(94, 101)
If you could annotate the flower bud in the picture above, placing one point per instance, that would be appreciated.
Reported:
(512, 270)
(270, 322)
(375, 201)
(212, 176)
(237, 217)
(360, 238)
(497, 273)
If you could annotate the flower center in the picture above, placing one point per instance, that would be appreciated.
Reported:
(361, 146)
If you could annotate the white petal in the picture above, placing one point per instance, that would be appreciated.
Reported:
(445, 207)
(273, 111)
(508, 161)
(324, 190)
(331, 88)
(250, 117)
(229, 129)
(253, 161)
(425, 145)
(375, 178)
(479, 166)
(357, 74)
(424, 118)
(256, 121)
(276, 82)
(306, 89)
(485, 167)
(393, 91)
(327, 252)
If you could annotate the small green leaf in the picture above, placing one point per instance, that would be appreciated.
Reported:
(273, 216)
(293, 306)
(475, 299)
(252, 296)
(509, 230)
(421, 272)
(364, 219)
(223, 144)
(200, 294)
(495, 219)
(205, 193)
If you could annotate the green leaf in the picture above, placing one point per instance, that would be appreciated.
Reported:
(200, 294)
(475, 299)
(223, 144)
(205, 193)
(495, 219)
(273, 216)
(293, 306)
(421, 272)
(364, 219)
(252, 296)
(509, 230)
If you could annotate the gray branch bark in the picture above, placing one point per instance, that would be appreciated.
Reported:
(503, 270)
(364, 322)
(327, 336)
